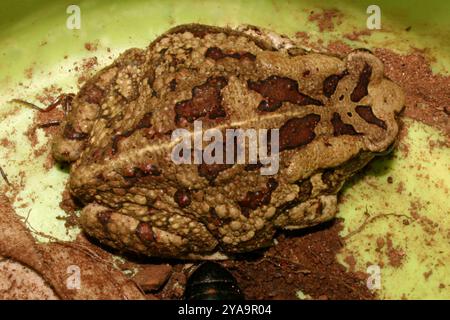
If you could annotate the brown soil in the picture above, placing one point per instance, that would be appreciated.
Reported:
(339, 48)
(87, 69)
(306, 262)
(427, 94)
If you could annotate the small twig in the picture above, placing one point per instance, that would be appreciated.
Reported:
(80, 247)
(28, 104)
(28, 215)
(63, 99)
(85, 249)
(89, 252)
(51, 123)
(370, 219)
(4, 176)
(305, 271)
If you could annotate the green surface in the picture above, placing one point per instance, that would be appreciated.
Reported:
(423, 174)
(33, 34)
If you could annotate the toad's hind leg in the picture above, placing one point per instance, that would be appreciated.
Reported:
(308, 213)
(127, 233)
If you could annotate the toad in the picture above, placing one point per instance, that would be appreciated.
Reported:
(333, 114)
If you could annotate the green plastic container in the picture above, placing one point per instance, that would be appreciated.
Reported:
(37, 50)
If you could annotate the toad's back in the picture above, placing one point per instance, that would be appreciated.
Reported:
(333, 116)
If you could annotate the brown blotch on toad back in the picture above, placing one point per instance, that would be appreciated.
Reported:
(144, 123)
(297, 132)
(211, 171)
(182, 198)
(367, 114)
(216, 53)
(253, 200)
(331, 82)
(277, 90)
(360, 91)
(340, 128)
(206, 101)
(144, 232)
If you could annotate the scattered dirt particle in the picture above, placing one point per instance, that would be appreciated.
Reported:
(380, 243)
(400, 187)
(395, 255)
(70, 205)
(326, 19)
(427, 274)
(48, 94)
(49, 162)
(91, 46)
(426, 93)
(42, 118)
(29, 73)
(87, 69)
(4, 142)
(351, 261)
(339, 48)
(355, 35)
